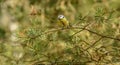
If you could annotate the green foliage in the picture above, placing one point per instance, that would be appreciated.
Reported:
(93, 38)
(2, 33)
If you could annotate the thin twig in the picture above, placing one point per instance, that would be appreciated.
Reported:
(102, 35)
(81, 30)
(93, 44)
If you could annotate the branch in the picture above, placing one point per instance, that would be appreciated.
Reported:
(82, 29)
(102, 35)
(93, 44)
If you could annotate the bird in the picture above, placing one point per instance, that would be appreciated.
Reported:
(63, 21)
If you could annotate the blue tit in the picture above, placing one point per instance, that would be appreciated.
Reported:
(63, 21)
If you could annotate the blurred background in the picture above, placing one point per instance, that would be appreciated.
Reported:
(28, 34)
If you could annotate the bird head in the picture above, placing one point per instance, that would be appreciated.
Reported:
(60, 17)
